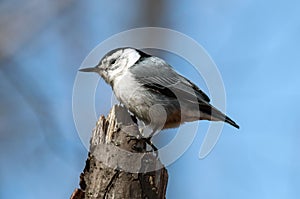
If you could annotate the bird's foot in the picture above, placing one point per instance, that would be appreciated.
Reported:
(144, 140)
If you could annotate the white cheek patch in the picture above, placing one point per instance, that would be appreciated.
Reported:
(116, 72)
(131, 56)
(128, 59)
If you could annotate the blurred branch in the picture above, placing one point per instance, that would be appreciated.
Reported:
(19, 24)
(154, 12)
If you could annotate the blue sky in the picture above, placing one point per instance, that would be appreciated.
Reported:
(255, 45)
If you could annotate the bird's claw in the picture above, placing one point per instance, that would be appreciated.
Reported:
(145, 140)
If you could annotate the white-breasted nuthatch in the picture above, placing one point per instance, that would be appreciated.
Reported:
(153, 91)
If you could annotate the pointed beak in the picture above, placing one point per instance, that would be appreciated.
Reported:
(93, 69)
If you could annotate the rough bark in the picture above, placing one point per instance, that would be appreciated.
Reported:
(118, 164)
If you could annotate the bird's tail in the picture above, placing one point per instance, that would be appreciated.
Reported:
(230, 121)
(212, 113)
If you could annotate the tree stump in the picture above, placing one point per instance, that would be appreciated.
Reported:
(118, 163)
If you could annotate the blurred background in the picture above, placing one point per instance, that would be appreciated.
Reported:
(255, 45)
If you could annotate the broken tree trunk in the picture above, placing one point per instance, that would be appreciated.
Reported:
(118, 165)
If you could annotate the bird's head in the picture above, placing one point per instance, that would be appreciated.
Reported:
(115, 63)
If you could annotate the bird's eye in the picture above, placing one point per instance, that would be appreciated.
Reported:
(113, 61)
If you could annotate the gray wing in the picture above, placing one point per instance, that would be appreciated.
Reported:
(157, 76)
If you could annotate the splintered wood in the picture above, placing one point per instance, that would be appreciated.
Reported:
(118, 164)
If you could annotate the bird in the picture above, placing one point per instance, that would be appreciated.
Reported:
(153, 91)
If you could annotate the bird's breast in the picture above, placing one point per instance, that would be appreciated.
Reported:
(125, 87)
